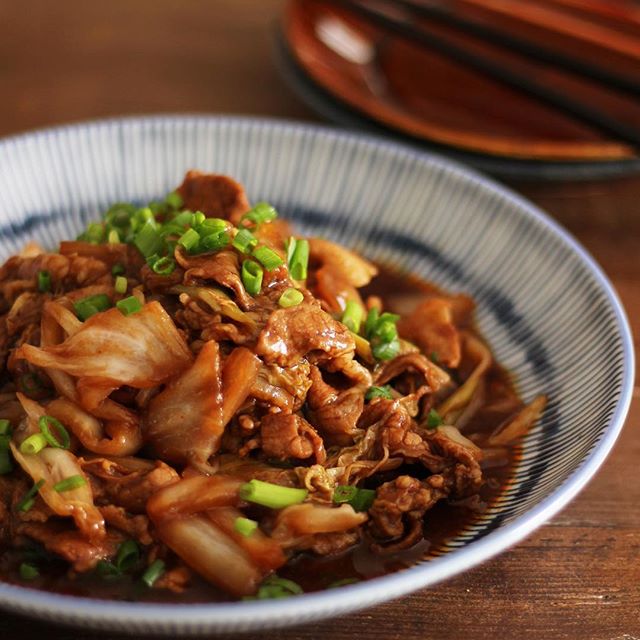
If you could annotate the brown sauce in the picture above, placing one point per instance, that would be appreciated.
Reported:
(445, 521)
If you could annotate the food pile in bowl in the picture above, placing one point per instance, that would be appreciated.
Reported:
(200, 404)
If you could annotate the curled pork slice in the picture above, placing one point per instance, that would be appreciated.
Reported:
(430, 325)
(290, 436)
(184, 422)
(335, 413)
(140, 350)
(304, 330)
(215, 195)
(434, 377)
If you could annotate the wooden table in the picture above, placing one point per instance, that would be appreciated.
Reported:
(578, 577)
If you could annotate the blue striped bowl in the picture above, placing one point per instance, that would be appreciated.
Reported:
(549, 313)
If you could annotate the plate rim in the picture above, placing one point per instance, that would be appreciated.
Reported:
(243, 616)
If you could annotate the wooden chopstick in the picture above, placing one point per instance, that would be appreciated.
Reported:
(589, 115)
(527, 48)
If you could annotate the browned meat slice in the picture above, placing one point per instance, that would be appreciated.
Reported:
(70, 545)
(135, 526)
(110, 254)
(335, 413)
(290, 436)
(333, 290)
(398, 509)
(157, 283)
(175, 579)
(344, 263)
(413, 363)
(431, 327)
(304, 330)
(127, 482)
(285, 388)
(25, 310)
(222, 267)
(216, 196)
(274, 234)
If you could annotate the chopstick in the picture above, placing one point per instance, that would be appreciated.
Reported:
(589, 115)
(525, 47)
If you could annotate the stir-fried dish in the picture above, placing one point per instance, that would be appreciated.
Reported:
(197, 403)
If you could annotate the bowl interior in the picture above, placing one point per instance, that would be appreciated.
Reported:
(544, 307)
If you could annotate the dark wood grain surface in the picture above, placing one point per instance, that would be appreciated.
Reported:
(577, 577)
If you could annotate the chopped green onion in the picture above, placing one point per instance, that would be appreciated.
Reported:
(359, 499)
(28, 571)
(244, 241)
(352, 316)
(117, 270)
(144, 216)
(371, 322)
(252, 274)
(211, 226)
(269, 259)
(385, 350)
(433, 356)
(155, 570)
(69, 484)
(5, 439)
(342, 583)
(197, 218)
(107, 569)
(113, 237)
(215, 241)
(94, 233)
(29, 498)
(261, 212)
(89, 306)
(298, 258)
(34, 444)
(379, 392)
(164, 266)
(148, 241)
(434, 419)
(245, 526)
(5, 427)
(128, 555)
(275, 587)
(183, 219)
(45, 423)
(189, 239)
(174, 200)
(44, 281)
(120, 285)
(6, 466)
(290, 298)
(129, 305)
(271, 495)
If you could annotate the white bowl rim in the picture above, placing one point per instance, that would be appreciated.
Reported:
(204, 618)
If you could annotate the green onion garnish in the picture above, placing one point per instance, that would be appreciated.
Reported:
(352, 316)
(271, 495)
(433, 356)
(290, 298)
(189, 239)
(5, 439)
(298, 258)
(120, 285)
(5, 427)
(6, 466)
(215, 241)
(381, 331)
(148, 240)
(244, 241)
(342, 583)
(89, 306)
(29, 498)
(275, 587)
(128, 555)
(434, 419)
(28, 571)
(107, 569)
(94, 233)
(164, 266)
(44, 281)
(34, 444)
(379, 392)
(269, 259)
(63, 441)
(245, 526)
(211, 226)
(183, 219)
(385, 350)
(371, 322)
(117, 270)
(252, 277)
(144, 215)
(197, 218)
(69, 484)
(154, 571)
(359, 499)
(174, 200)
(261, 212)
(113, 237)
(129, 305)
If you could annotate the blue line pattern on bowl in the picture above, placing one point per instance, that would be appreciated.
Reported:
(547, 311)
